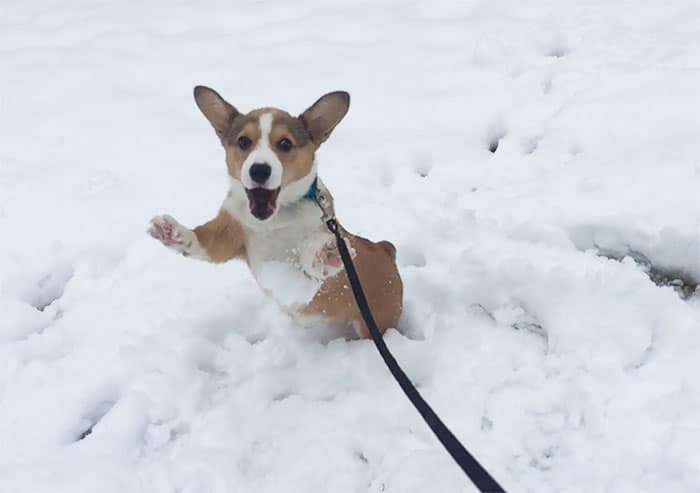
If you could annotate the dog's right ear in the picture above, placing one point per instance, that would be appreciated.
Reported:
(219, 113)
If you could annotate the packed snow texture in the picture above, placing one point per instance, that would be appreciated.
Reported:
(501, 146)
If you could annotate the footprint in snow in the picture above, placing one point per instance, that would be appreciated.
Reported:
(669, 260)
(494, 136)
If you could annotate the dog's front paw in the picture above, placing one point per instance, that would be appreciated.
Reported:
(170, 233)
(328, 260)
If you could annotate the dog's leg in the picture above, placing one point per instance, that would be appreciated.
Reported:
(218, 240)
(361, 329)
(177, 237)
(326, 261)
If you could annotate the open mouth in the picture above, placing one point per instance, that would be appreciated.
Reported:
(262, 202)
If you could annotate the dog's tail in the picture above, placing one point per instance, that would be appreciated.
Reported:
(388, 247)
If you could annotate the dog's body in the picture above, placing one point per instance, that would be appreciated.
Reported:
(270, 217)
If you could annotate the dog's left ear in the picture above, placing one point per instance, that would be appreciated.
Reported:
(322, 117)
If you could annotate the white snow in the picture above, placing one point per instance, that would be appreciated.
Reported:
(561, 370)
(287, 284)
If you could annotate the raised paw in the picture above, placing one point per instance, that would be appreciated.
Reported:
(328, 257)
(170, 232)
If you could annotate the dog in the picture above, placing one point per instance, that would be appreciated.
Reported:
(270, 217)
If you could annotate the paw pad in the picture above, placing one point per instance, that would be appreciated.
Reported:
(328, 257)
(167, 230)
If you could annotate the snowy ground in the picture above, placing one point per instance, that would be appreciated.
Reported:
(561, 369)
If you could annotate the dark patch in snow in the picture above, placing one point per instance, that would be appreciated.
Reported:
(93, 418)
(575, 150)
(177, 432)
(255, 337)
(682, 282)
(86, 433)
(282, 395)
(531, 145)
(208, 367)
(50, 288)
(527, 322)
(493, 139)
(533, 327)
(543, 460)
(480, 309)
(644, 358)
(422, 166)
(361, 457)
(486, 424)
(558, 51)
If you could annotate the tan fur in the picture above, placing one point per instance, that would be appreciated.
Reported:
(222, 238)
(297, 163)
(234, 155)
(381, 283)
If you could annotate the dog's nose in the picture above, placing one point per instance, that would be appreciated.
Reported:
(260, 172)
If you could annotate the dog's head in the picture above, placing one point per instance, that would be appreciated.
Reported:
(270, 153)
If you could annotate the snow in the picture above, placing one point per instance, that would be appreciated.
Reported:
(560, 369)
(287, 284)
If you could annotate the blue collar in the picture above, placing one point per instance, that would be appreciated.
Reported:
(312, 192)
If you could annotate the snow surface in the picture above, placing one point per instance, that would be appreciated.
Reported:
(559, 369)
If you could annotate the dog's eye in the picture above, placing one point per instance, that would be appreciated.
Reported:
(244, 142)
(285, 145)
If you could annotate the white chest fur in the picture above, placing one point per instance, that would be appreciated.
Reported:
(283, 259)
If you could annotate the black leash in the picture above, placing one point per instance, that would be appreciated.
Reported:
(471, 467)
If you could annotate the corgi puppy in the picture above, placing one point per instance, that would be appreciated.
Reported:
(270, 217)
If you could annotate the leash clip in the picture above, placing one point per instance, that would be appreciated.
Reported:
(328, 216)
(325, 203)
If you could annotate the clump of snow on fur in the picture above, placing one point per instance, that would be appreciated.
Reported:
(286, 283)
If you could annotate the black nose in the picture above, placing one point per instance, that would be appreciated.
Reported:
(260, 172)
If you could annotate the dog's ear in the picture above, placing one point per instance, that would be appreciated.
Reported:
(219, 113)
(322, 117)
